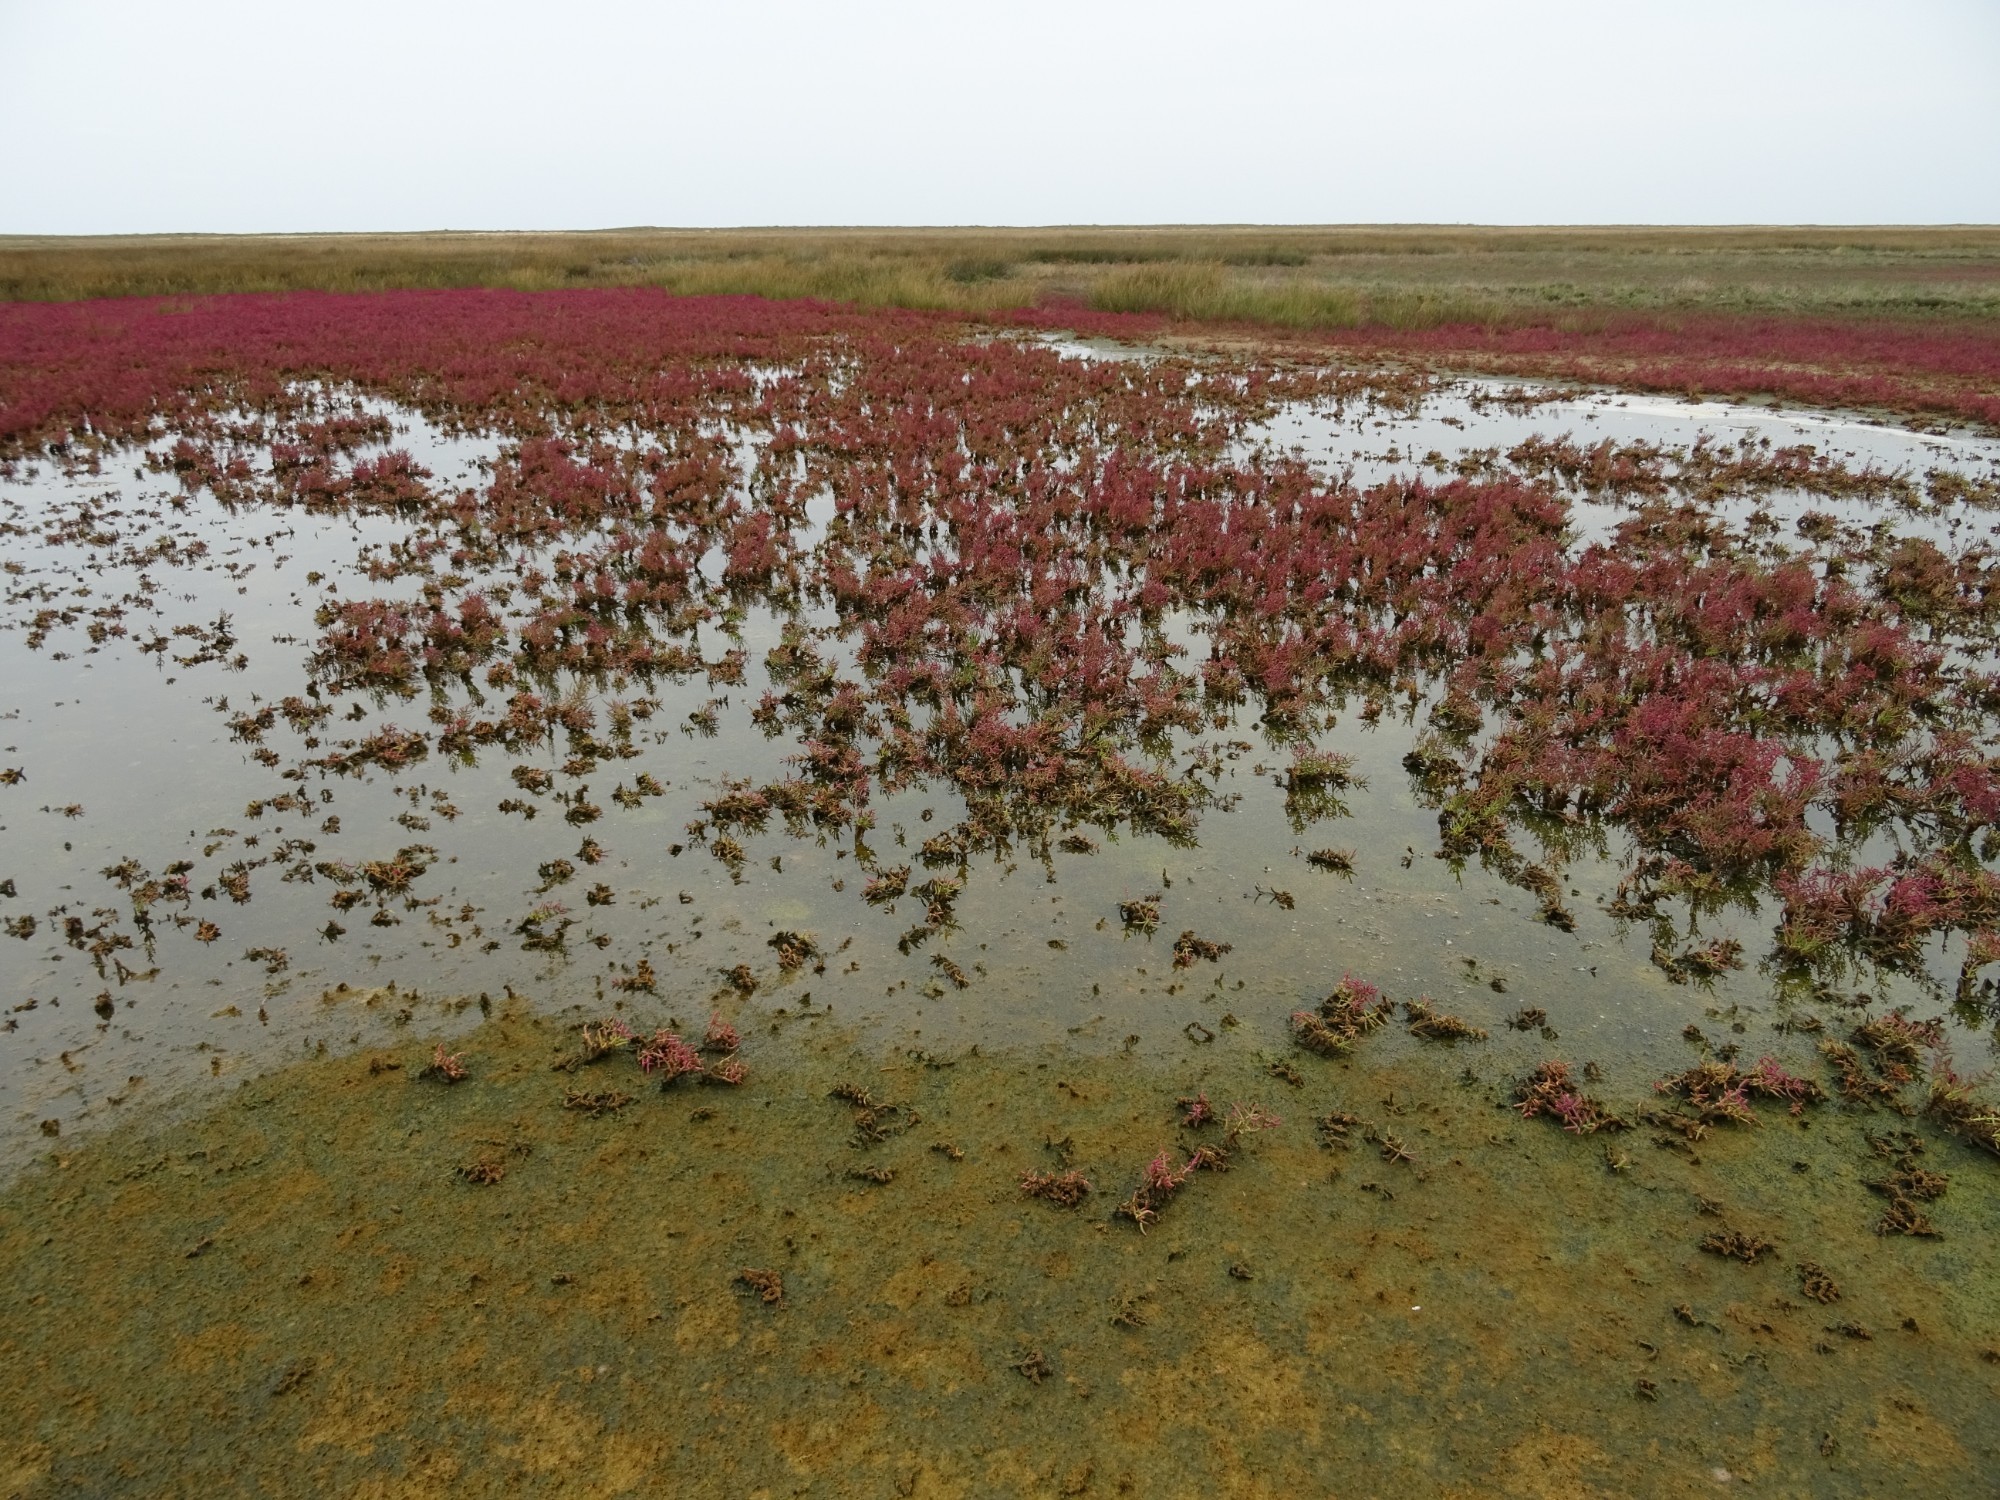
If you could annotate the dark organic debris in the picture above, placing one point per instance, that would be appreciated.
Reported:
(768, 1287)
(1734, 1244)
(1354, 1009)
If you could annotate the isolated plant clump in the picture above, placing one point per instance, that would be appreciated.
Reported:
(1551, 1091)
(1354, 1009)
(1161, 1178)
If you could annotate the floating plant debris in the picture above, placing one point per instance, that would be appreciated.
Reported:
(1433, 1025)
(1141, 915)
(1190, 950)
(1354, 1009)
(1550, 1091)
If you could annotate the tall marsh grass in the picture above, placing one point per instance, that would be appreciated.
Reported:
(1391, 277)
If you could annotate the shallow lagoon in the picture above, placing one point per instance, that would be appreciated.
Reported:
(1500, 1311)
(141, 745)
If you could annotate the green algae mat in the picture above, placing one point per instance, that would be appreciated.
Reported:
(557, 1276)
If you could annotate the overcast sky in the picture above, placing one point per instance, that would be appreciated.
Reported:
(141, 115)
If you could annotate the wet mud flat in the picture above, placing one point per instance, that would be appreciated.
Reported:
(604, 892)
(859, 1271)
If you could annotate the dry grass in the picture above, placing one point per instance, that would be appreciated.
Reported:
(1389, 276)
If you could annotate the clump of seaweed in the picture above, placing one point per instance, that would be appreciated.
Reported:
(886, 886)
(1032, 1364)
(669, 1055)
(1816, 1283)
(1769, 1080)
(1433, 1025)
(1907, 1186)
(1856, 1084)
(1898, 1044)
(1714, 1091)
(794, 949)
(1128, 1309)
(1141, 914)
(1160, 1179)
(727, 1071)
(1312, 769)
(1735, 1244)
(1951, 1103)
(1333, 861)
(1064, 1189)
(1550, 1090)
(875, 1120)
(1190, 950)
(596, 1039)
(1343, 1018)
(1336, 1129)
(1313, 785)
(1704, 964)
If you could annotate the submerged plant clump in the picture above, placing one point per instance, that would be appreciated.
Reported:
(1714, 1091)
(1064, 1189)
(1343, 1018)
(1161, 1179)
(1551, 1091)
(1427, 1021)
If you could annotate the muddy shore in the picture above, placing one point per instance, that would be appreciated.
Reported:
(353, 1277)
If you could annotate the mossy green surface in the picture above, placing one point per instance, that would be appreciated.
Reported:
(298, 1291)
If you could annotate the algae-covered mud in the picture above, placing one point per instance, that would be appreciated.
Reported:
(554, 1276)
(606, 892)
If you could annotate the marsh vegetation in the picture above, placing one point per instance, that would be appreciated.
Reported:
(901, 869)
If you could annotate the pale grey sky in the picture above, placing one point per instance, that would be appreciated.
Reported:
(123, 116)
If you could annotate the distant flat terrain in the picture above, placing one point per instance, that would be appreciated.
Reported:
(1303, 277)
